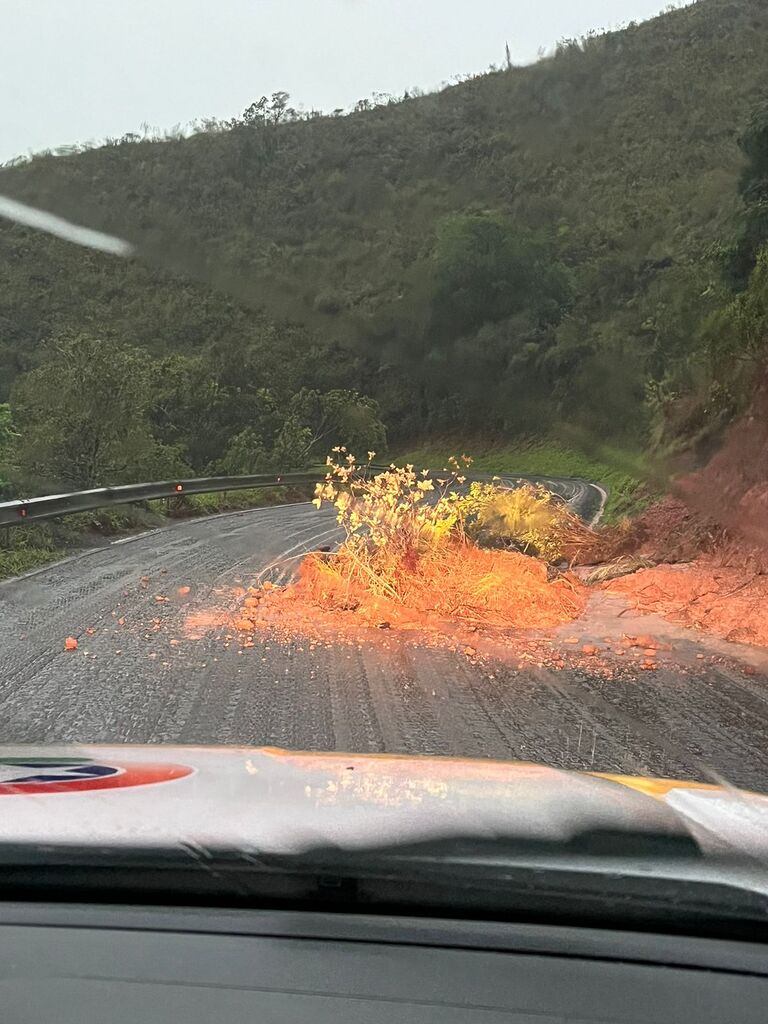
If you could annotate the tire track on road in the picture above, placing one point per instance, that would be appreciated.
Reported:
(405, 699)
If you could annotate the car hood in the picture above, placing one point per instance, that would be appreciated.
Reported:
(289, 802)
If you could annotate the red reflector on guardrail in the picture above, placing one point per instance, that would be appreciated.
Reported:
(23, 513)
(179, 487)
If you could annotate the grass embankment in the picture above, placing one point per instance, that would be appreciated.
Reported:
(27, 547)
(619, 472)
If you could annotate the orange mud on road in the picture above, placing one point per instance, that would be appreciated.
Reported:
(608, 637)
(703, 595)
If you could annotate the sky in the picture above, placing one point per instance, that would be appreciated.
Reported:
(76, 71)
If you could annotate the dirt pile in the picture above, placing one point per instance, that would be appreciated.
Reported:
(719, 510)
(716, 523)
(668, 531)
(732, 488)
(287, 615)
(460, 583)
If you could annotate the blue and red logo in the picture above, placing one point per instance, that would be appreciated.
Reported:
(28, 775)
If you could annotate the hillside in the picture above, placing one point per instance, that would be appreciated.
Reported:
(491, 258)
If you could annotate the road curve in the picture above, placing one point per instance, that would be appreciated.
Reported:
(138, 678)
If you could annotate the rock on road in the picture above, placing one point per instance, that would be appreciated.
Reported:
(137, 677)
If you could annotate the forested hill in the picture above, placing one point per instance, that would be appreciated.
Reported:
(531, 246)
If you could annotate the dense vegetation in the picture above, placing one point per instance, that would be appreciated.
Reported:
(573, 245)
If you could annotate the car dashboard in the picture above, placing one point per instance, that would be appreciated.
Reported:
(77, 964)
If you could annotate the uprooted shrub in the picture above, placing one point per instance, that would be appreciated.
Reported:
(409, 542)
(390, 525)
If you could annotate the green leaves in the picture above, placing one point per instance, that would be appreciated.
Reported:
(83, 415)
(754, 191)
(489, 269)
(487, 258)
(8, 441)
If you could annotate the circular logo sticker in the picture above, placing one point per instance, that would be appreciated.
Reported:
(23, 775)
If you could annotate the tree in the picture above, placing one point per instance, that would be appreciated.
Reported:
(487, 270)
(83, 417)
(737, 335)
(245, 454)
(269, 112)
(336, 418)
(754, 192)
(8, 441)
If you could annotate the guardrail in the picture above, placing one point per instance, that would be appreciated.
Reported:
(25, 510)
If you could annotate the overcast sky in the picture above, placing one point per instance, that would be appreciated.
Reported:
(78, 70)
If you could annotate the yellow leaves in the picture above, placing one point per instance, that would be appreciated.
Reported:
(527, 514)
(388, 523)
(317, 502)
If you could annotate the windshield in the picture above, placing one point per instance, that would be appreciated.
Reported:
(380, 380)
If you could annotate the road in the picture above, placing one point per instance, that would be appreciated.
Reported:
(140, 678)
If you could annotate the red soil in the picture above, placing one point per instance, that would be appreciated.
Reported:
(733, 487)
(463, 584)
(724, 601)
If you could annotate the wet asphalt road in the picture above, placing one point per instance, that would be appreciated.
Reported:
(145, 681)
